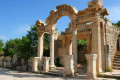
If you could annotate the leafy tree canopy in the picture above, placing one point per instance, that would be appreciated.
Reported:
(1, 46)
(117, 24)
(11, 47)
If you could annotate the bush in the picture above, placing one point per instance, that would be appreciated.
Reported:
(81, 43)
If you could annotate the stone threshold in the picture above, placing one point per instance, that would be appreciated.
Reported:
(114, 74)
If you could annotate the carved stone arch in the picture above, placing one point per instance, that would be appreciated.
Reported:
(62, 10)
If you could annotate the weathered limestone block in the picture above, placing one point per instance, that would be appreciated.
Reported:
(91, 69)
(46, 64)
(1, 63)
(68, 67)
(119, 43)
(14, 59)
(22, 62)
(4, 64)
(24, 68)
(35, 63)
(29, 65)
(18, 67)
(8, 64)
(108, 57)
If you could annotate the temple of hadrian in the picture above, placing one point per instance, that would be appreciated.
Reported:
(90, 24)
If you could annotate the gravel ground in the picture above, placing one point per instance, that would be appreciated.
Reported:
(6, 74)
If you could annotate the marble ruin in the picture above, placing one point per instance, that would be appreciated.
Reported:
(89, 24)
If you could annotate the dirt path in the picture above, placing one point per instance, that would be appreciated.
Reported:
(6, 74)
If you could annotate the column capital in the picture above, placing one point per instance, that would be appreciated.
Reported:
(40, 23)
(40, 33)
(91, 56)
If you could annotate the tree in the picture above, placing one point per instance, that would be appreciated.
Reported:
(11, 47)
(24, 49)
(1, 46)
(29, 46)
(81, 43)
(117, 24)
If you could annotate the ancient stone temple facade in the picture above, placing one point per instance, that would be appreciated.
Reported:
(90, 24)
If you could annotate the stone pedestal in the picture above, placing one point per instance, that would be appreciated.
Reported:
(35, 64)
(46, 64)
(91, 66)
(69, 66)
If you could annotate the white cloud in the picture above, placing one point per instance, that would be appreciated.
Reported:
(114, 13)
(3, 37)
(22, 29)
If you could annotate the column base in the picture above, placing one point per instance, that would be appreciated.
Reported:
(52, 67)
(91, 76)
(100, 71)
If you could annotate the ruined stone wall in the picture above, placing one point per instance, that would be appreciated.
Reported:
(111, 37)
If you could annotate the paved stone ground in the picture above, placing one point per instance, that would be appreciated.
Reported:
(6, 74)
(113, 74)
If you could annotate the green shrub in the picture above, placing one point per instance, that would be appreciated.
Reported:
(109, 69)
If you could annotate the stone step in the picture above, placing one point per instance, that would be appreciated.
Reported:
(114, 67)
(116, 64)
(117, 56)
(115, 77)
(116, 59)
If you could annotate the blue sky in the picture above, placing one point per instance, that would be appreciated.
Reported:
(16, 16)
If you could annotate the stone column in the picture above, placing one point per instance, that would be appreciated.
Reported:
(74, 48)
(108, 57)
(46, 64)
(96, 44)
(69, 47)
(52, 65)
(35, 64)
(40, 47)
(91, 66)
(88, 45)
